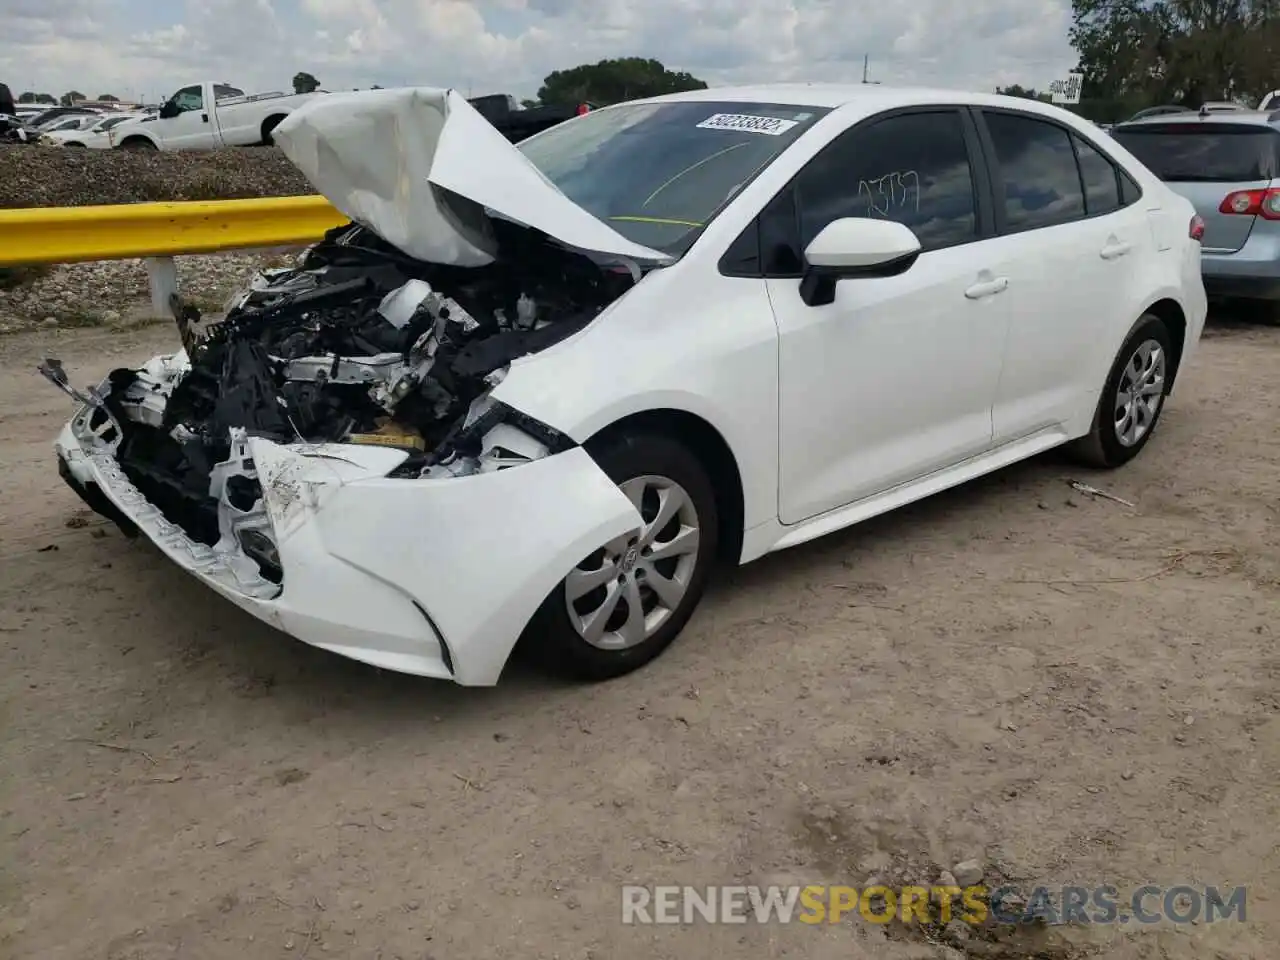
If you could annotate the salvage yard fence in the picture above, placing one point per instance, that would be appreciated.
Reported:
(158, 232)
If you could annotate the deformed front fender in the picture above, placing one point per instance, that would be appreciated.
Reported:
(477, 555)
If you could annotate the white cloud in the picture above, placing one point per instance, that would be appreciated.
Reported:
(131, 46)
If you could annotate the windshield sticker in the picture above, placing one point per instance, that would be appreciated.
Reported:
(770, 126)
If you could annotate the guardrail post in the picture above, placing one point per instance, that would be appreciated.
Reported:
(163, 274)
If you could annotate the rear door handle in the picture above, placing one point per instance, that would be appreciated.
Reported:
(987, 288)
(1113, 250)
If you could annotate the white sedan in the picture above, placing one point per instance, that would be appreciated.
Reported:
(93, 132)
(541, 390)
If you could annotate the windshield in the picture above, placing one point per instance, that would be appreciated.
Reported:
(659, 172)
(1218, 152)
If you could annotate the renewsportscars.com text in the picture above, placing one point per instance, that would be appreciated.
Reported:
(974, 905)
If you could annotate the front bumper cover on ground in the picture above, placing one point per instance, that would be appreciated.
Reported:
(431, 577)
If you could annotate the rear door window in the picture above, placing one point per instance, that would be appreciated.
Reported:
(1036, 167)
(1101, 184)
(1204, 152)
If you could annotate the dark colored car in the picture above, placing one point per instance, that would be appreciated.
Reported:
(516, 123)
(7, 106)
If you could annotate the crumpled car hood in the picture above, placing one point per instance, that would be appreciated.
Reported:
(380, 155)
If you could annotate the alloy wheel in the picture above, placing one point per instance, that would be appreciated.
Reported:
(1139, 393)
(624, 592)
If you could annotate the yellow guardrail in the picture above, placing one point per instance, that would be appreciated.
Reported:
(71, 234)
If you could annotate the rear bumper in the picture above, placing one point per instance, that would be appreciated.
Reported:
(1245, 288)
(1253, 271)
(430, 577)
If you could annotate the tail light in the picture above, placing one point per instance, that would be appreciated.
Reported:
(1197, 228)
(584, 108)
(1253, 203)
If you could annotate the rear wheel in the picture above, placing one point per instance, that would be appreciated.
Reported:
(627, 601)
(268, 127)
(137, 143)
(1132, 398)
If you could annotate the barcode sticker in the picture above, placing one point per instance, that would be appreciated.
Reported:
(770, 126)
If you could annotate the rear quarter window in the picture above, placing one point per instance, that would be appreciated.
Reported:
(1188, 152)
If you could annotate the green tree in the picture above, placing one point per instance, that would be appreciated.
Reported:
(27, 97)
(1027, 93)
(46, 98)
(1136, 53)
(108, 98)
(304, 82)
(72, 97)
(613, 81)
(530, 104)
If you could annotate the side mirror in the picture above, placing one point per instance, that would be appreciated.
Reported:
(169, 110)
(854, 247)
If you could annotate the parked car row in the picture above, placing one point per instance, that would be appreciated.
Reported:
(91, 132)
(209, 115)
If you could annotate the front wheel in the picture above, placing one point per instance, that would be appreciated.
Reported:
(1132, 398)
(627, 601)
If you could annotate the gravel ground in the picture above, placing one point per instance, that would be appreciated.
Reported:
(36, 176)
(114, 293)
(1065, 689)
(111, 293)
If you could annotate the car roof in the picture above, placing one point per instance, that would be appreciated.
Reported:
(1228, 117)
(873, 97)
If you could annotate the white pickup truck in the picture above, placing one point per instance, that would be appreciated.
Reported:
(205, 116)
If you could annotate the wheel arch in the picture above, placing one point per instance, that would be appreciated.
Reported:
(269, 124)
(138, 139)
(709, 446)
(1174, 318)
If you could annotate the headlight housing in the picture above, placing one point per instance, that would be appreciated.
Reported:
(493, 436)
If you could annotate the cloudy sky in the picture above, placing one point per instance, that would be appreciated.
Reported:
(133, 47)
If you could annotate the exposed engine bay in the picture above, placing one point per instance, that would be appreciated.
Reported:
(359, 344)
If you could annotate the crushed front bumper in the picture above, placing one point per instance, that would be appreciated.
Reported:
(430, 577)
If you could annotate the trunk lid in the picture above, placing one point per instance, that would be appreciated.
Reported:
(1223, 232)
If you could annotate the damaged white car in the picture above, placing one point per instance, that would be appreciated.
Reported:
(539, 390)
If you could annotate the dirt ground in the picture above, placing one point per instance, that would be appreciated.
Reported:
(1068, 689)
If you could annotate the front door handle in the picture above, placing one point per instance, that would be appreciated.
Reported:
(987, 288)
(1115, 249)
(204, 117)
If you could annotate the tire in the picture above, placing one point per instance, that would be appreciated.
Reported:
(269, 125)
(654, 468)
(1121, 430)
(137, 143)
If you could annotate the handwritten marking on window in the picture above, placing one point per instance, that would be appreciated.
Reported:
(893, 194)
